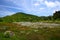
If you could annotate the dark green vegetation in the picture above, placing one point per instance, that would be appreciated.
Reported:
(28, 33)
(56, 15)
(23, 17)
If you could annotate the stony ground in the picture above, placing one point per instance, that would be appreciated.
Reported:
(38, 24)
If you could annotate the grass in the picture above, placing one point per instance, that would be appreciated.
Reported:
(28, 33)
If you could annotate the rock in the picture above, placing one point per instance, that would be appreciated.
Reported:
(8, 34)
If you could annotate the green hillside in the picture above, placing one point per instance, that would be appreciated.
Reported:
(21, 17)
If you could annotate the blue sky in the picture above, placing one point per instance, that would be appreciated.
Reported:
(35, 7)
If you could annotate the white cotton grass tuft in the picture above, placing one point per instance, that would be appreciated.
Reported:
(28, 33)
(36, 30)
(22, 31)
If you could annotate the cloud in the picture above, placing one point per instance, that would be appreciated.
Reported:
(17, 2)
(36, 4)
(40, 0)
(20, 3)
(31, 6)
(5, 13)
(52, 4)
(8, 0)
(10, 7)
(42, 8)
(55, 10)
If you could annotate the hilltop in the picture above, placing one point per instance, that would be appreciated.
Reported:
(21, 17)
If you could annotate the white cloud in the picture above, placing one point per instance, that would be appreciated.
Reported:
(38, 10)
(55, 10)
(52, 4)
(32, 6)
(37, 4)
(40, 0)
(18, 2)
(8, 0)
(5, 13)
(42, 8)
(10, 7)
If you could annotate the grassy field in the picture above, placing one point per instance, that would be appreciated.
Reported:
(28, 33)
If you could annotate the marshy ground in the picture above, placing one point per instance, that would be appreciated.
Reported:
(30, 31)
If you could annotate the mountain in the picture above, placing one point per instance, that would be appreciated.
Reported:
(21, 17)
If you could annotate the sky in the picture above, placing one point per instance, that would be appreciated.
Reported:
(34, 7)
